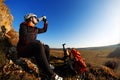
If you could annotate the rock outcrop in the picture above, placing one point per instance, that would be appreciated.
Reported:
(6, 20)
(12, 67)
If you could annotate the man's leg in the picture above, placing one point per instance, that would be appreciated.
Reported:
(41, 59)
(47, 52)
(37, 50)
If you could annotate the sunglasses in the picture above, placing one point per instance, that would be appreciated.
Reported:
(36, 18)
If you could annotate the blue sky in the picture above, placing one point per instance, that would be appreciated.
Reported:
(78, 23)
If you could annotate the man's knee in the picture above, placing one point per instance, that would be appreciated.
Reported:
(47, 47)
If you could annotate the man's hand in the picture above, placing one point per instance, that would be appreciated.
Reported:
(44, 18)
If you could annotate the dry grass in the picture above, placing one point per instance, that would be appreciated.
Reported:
(94, 56)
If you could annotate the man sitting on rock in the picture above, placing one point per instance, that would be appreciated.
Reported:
(28, 46)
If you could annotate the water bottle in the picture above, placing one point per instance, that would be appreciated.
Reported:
(41, 18)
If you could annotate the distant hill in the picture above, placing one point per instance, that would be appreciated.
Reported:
(103, 47)
(114, 50)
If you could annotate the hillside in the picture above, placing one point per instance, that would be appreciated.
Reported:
(9, 69)
(6, 28)
(97, 55)
(14, 68)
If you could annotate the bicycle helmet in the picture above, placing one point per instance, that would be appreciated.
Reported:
(28, 16)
